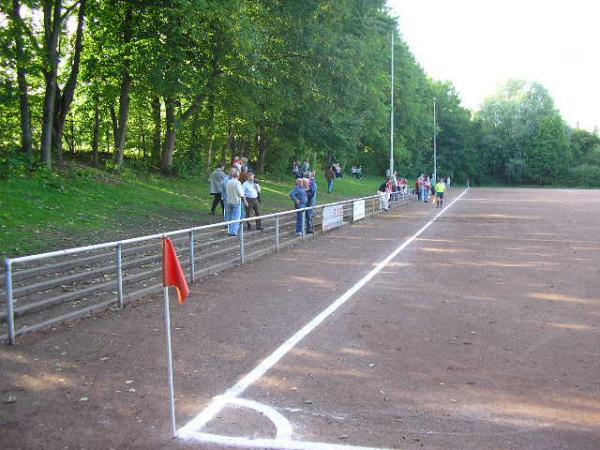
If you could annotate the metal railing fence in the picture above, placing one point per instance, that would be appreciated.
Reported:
(141, 255)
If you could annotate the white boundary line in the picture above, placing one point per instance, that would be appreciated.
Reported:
(192, 428)
(273, 443)
(282, 425)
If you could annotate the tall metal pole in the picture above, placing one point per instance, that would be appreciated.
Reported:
(170, 361)
(169, 346)
(434, 145)
(392, 114)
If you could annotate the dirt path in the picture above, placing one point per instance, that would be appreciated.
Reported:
(484, 333)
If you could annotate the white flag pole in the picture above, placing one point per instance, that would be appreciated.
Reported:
(169, 353)
(170, 360)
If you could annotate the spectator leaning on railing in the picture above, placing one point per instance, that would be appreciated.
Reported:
(233, 202)
(300, 198)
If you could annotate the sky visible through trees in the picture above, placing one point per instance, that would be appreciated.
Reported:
(176, 85)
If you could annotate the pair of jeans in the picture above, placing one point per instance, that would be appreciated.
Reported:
(233, 212)
(299, 217)
(309, 218)
(330, 186)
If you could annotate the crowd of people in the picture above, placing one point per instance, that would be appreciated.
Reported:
(394, 187)
(357, 172)
(304, 195)
(238, 193)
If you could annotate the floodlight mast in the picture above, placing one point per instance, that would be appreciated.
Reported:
(392, 113)
(434, 145)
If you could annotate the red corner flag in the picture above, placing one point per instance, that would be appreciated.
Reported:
(172, 271)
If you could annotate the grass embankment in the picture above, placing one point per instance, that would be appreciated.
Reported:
(82, 206)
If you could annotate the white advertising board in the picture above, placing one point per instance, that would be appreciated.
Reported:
(358, 210)
(333, 217)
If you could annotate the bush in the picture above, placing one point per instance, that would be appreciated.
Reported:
(13, 163)
(586, 175)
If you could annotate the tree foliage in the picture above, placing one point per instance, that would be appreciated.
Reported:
(176, 85)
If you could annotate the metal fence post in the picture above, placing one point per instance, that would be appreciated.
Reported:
(303, 224)
(277, 234)
(9, 302)
(192, 268)
(120, 274)
(242, 259)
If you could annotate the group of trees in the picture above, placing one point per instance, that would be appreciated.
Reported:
(178, 84)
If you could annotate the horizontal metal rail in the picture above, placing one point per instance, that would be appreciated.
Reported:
(202, 245)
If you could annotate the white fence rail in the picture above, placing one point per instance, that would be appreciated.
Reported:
(48, 288)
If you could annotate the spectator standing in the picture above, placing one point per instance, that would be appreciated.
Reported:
(224, 185)
(331, 160)
(300, 198)
(385, 191)
(296, 169)
(252, 192)
(339, 173)
(233, 202)
(330, 176)
(215, 182)
(448, 182)
(359, 172)
(237, 164)
(311, 200)
(427, 184)
(305, 166)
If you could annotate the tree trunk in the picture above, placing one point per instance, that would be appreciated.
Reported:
(115, 126)
(169, 145)
(52, 26)
(262, 149)
(231, 142)
(71, 140)
(96, 136)
(63, 102)
(24, 109)
(157, 136)
(124, 94)
(194, 140)
(211, 133)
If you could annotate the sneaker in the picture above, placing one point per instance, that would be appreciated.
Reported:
(298, 234)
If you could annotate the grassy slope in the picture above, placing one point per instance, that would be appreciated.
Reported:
(87, 206)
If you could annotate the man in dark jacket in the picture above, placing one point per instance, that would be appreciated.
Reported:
(215, 182)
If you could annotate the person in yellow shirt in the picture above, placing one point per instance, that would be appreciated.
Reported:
(440, 188)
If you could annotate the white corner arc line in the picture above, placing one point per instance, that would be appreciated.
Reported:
(198, 422)
(282, 425)
(273, 443)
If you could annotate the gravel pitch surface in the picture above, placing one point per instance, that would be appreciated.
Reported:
(484, 333)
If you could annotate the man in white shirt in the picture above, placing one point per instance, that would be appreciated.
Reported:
(251, 192)
(233, 203)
